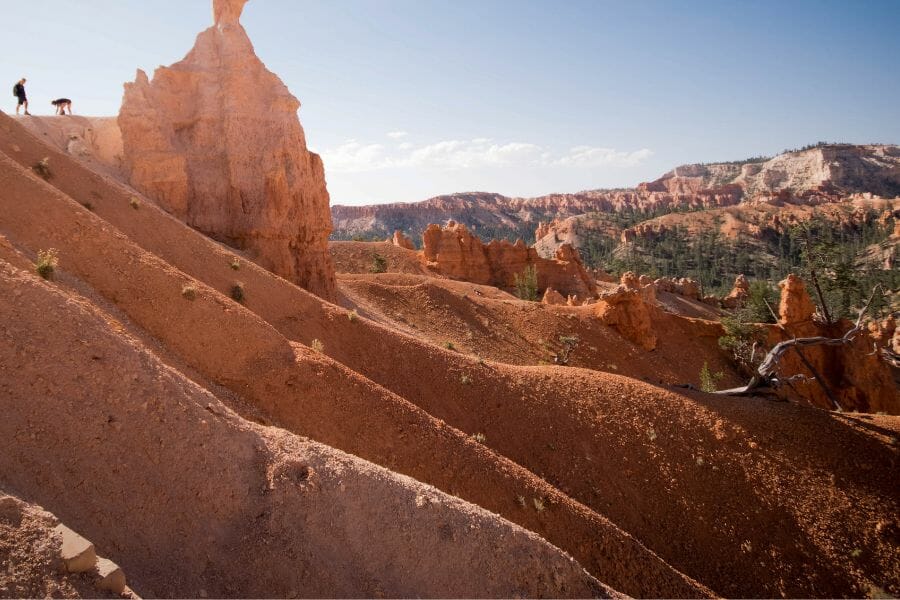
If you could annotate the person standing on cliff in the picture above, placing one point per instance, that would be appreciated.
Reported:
(19, 93)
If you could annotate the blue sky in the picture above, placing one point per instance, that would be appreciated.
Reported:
(407, 99)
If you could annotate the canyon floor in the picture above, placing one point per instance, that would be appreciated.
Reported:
(413, 439)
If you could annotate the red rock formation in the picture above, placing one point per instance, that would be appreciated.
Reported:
(683, 286)
(629, 312)
(738, 294)
(453, 251)
(553, 297)
(402, 241)
(795, 307)
(215, 139)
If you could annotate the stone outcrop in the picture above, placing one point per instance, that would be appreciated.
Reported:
(683, 286)
(453, 251)
(796, 306)
(553, 297)
(402, 241)
(738, 294)
(215, 139)
(629, 311)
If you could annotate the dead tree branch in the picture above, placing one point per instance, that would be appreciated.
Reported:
(765, 378)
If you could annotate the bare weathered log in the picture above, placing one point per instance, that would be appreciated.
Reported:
(765, 377)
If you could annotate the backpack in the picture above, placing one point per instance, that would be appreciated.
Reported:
(16, 91)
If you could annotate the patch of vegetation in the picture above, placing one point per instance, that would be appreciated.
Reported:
(317, 346)
(237, 292)
(235, 265)
(709, 382)
(465, 379)
(42, 168)
(569, 343)
(742, 340)
(449, 346)
(135, 202)
(379, 264)
(353, 316)
(520, 500)
(527, 284)
(189, 292)
(539, 504)
(47, 261)
(480, 438)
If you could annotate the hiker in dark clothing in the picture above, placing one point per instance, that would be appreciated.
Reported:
(61, 105)
(19, 93)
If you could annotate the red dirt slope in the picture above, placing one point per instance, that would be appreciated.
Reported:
(729, 491)
(124, 446)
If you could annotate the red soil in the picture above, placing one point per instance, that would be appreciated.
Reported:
(749, 498)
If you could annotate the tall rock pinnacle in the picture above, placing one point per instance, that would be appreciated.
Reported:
(228, 12)
(216, 140)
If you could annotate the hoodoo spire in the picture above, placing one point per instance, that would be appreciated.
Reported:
(228, 12)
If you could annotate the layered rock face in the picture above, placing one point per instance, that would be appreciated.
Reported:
(629, 309)
(216, 140)
(453, 251)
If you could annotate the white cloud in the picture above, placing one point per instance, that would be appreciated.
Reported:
(397, 135)
(449, 155)
(353, 157)
(589, 156)
(456, 154)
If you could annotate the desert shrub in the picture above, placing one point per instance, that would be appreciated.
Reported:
(480, 438)
(709, 382)
(317, 345)
(237, 292)
(741, 340)
(762, 296)
(527, 284)
(539, 504)
(449, 346)
(379, 264)
(135, 202)
(465, 379)
(47, 261)
(235, 265)
(189, 292)
(569, 343)
(42, 168)
(353, 316)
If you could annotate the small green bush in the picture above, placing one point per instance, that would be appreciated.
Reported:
(317, 345)
(353, 316)
(449, 346)
(539, 504)
(465, 380)
(527, 284)
(47, 262)
(379, 264)
(235, 265)
(189, 292)
(135, 202)
(709, 382)
(569, 343)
